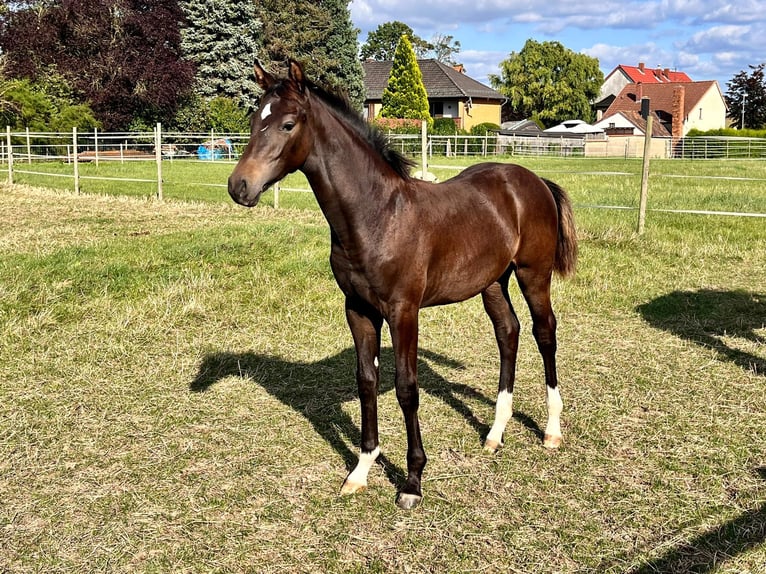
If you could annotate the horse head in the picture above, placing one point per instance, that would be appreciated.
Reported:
(280, 138)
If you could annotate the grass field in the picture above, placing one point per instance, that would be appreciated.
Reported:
(177, 392)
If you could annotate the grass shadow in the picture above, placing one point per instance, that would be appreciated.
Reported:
(708, 551)
(317, 390)
(706, 316)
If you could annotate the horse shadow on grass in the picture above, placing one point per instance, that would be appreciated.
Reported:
(317, 390)
(707, 316)
(710, 550)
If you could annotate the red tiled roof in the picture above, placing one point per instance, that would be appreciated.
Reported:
(660, 96)
(642, 74)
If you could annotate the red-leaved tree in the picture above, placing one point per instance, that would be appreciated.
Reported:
(123, 57)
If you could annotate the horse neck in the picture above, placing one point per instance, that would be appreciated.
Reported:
(352, 182)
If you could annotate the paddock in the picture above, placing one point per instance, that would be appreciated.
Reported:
(178, 393)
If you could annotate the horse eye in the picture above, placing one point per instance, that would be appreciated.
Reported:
(288, 126)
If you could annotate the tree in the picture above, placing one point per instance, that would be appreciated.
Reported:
(324, 42)
(30, 105)
(747, 93)
(445, 48)
(222, 38)
(405, 95)
(549, 82)
(382, 42)
(122, 57)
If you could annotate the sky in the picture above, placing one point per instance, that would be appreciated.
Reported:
(707, 39)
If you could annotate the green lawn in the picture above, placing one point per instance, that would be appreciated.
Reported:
(177, 390)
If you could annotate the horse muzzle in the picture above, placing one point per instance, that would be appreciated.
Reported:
(244, 192)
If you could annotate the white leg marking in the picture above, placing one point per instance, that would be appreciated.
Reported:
(376, 362)
(266, 111)
(357, 480)
(553, 428)
(503, 413)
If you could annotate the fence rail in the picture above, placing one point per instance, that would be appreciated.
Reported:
(29, 153)
(28, 146)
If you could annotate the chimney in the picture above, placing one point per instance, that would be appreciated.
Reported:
(641, 67)
(677, 125)
(666, 71)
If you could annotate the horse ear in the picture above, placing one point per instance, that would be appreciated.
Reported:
(296, 74)
(264, 79)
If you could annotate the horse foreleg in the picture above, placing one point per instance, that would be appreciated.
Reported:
(536, 290)
(365, 324)
(404, 334)
(497, 304)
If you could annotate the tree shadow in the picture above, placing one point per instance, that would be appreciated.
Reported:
(708, 551)
(317, 390)
(707, 315)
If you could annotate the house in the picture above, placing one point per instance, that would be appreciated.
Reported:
(451, 93)
(679, 107)
(623, 75)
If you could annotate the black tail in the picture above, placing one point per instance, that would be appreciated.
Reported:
(566, 249)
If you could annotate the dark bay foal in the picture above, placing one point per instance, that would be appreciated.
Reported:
(399, 244)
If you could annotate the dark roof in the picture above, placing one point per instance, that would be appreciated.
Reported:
(440, 80)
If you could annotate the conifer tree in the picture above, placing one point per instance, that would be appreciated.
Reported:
(325, 42)
(222, 38)
(405, 95)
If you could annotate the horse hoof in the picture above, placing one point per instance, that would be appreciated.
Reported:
(351, 488)
(491, 446)
(408, 501)
(552, 441)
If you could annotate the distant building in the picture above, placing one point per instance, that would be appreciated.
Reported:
(678, 107)
(624, 75)
(451, 93)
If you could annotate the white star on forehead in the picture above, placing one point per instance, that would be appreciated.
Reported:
(266, 111)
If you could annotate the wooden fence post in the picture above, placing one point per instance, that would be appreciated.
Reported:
(95, 143)
(10, 154)
(645, 177)
(158, 157)
(29, 148)
(76, 162)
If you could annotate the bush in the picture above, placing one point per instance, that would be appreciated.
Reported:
(484, 129)
(445, 127)
(398, 125)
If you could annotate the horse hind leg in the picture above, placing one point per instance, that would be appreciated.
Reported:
(497, 304)
(536, 288)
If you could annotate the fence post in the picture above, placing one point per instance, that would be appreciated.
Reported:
(158, 157)
(95, 143)
(10, 154)
(645, 177)
(29, 148)
(276, 195)
(76, 163)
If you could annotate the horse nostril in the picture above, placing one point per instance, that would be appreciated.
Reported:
(237, 186)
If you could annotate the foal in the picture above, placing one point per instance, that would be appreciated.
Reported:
(399, 244)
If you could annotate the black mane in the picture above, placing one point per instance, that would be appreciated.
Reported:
(372, 135)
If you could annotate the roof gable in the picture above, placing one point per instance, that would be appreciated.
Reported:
(635, 119)
(440, 80)
(660, 95)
